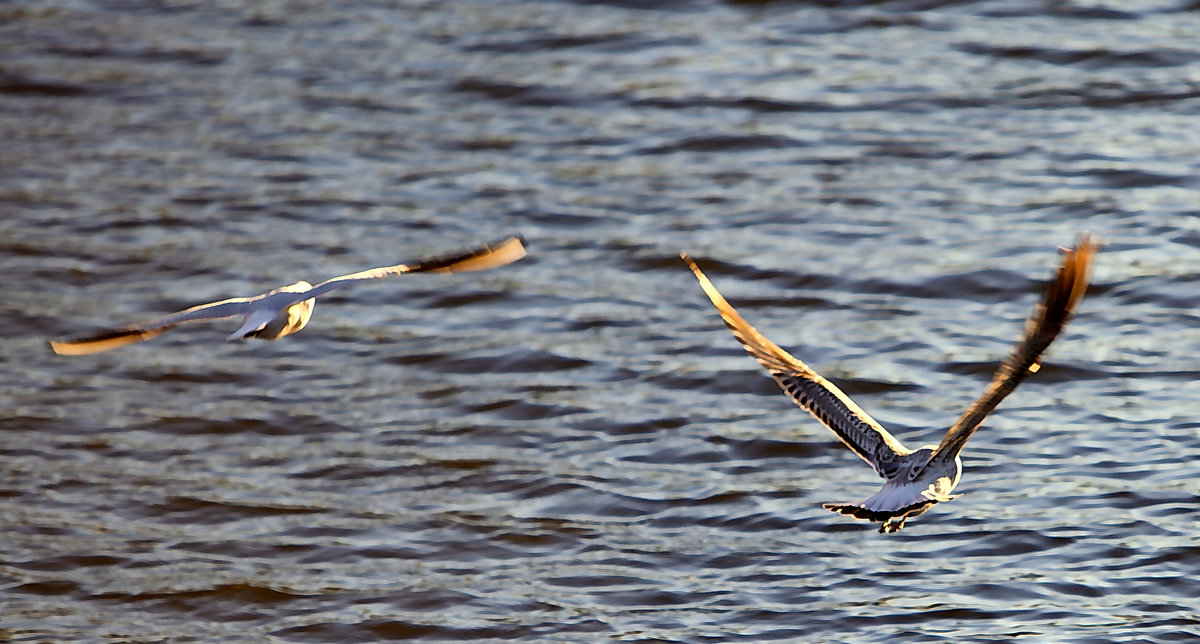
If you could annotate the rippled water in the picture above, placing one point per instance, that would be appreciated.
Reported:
(573, 448)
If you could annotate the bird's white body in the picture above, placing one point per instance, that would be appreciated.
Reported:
(910, 492)
(277, 314)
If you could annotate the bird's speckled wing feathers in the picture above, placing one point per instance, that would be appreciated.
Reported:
(808, 389)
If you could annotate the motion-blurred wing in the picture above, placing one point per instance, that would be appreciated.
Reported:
(477, 259)
(1048, 319)
(809, 390)
(113, 338)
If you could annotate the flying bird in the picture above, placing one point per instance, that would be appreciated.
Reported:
(913, 480)
(287, 309)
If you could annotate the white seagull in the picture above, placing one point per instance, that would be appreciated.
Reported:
(913, 480)
(287, 309)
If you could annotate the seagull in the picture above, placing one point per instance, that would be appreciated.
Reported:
(913, 480)
(287, 309)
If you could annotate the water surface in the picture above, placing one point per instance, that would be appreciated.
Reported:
(573, 448)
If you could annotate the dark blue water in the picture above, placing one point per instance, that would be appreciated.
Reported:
(573, 448)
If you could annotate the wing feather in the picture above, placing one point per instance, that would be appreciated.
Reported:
(808, 389)
(114, 338)
(1048, 319)
(483, 257)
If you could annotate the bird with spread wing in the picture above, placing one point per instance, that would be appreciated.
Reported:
(913, 480)
(287, 309)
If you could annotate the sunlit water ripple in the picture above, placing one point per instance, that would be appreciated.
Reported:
(573, 448)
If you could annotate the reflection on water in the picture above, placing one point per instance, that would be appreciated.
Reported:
(573, 448)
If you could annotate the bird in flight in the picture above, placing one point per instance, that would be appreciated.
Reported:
(913, 480)
(287, 309)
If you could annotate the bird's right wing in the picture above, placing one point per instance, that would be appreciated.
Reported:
(113, 338)
(481, 258)
(1048, 319)
(809, 390)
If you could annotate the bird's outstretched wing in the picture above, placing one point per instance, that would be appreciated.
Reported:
(809, 390)
(113, 338)
(487, 256)
(1048, 319)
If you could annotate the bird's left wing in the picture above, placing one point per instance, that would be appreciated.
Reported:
(481, 258)
(809, 390)
(114, 338)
